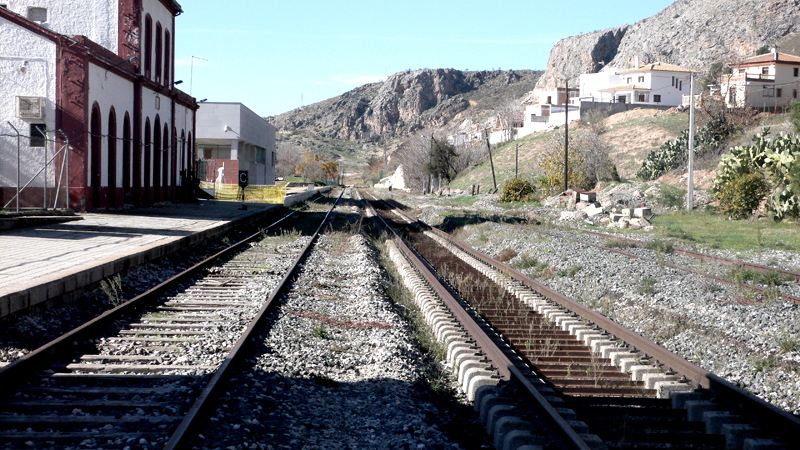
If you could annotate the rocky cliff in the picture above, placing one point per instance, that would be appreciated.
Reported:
(689, 33)
(406, 102)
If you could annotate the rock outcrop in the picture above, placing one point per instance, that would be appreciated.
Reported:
(403, 103)
(689, 33)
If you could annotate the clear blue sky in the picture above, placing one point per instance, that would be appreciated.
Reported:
(267, 54)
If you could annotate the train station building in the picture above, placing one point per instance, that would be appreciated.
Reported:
(90, 117)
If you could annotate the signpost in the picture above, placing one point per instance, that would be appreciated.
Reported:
(242, 185)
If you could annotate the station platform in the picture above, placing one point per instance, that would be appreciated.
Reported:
(56, 261)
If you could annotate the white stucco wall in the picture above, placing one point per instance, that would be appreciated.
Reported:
(27, 68)
(256, 137)
(95, 19)
(161, 14)
(108, 89)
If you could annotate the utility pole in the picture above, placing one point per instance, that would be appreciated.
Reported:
(690, 181)
(516, 163)
(566, 134)
(489, 148)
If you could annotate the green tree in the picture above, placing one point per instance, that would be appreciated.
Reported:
(442, 159)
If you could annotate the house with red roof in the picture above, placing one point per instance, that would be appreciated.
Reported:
(765, 81)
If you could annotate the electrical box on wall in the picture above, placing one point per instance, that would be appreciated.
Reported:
(30, 107)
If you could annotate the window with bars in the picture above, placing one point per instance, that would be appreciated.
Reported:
(38, 134)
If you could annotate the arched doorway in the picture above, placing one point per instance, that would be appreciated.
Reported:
(165, 149)
(126, 160)
(157, 160)
(112, 158)
(96, 144)
(147, 158)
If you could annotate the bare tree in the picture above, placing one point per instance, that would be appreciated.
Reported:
(509, 118)
(288, 157)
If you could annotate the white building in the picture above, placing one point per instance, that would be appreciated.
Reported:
(763, 81)
(650, 84)
(232, 135)
(98, 75)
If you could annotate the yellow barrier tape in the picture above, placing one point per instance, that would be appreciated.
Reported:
(252, 193)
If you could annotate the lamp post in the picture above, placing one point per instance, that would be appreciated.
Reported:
(191, 72)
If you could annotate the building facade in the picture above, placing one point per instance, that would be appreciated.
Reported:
(657, 84)
(89, 88)
(232, 136)
(765, 81)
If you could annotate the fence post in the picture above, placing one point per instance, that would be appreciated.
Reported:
(17, 131)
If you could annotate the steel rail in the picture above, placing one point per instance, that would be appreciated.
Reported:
(770, 416)
(499, 360)
(202, 404)
(15, 371)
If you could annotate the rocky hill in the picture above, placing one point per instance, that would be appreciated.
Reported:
(689, 33)
(406, 102)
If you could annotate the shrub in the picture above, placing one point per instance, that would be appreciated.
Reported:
(588, 160)
(774, 160)
(673, 153)
(517, 190)
(742, 194)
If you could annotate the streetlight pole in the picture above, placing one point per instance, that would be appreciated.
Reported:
(191, 72)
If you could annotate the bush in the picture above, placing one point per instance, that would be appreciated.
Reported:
(742, 194)
(588, 160)
(517, 190)
(769, 165)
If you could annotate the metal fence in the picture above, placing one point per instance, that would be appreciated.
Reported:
(33, 185)
(252, 193)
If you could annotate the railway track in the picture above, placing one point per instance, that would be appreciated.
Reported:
(140, 375)
(610, 387)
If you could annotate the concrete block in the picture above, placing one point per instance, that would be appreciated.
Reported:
(575, 328)
(716, 419)
(497, 412)
(579, 426)
(18, 301)
(520, 440)
(5, 306)
(37, 294)
(598, 344)
(696, 408)
(763, 444)
(484, 378)
(627, 212)
(736, 433)
(641, 212)
(609, 352)
(593, 441)
(555, 401)
(617, 357)
(506, 425)
(55, 288)
(468, 364)
(616, 217)
(581, 334)
(567, 413)
(664, 389)
(679, 399)
(482, 393)
(637, 372)
(625, 364)
(650, 379)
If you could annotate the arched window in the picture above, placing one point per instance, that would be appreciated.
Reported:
(96, 144)
(159, 52)
(112, 157)
(157, 160)
(148, 45)
(167, 60)
(126, 160)
(147, 158)
(182, 155)
(189, 153)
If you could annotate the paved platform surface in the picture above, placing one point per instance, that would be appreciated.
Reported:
(45, 262)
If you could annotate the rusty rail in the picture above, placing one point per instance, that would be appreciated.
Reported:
(499, 360)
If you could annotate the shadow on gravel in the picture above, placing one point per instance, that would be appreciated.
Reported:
(316, 412)
(452, 223)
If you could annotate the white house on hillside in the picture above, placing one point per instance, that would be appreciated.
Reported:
(763, 81)
(652, 84)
